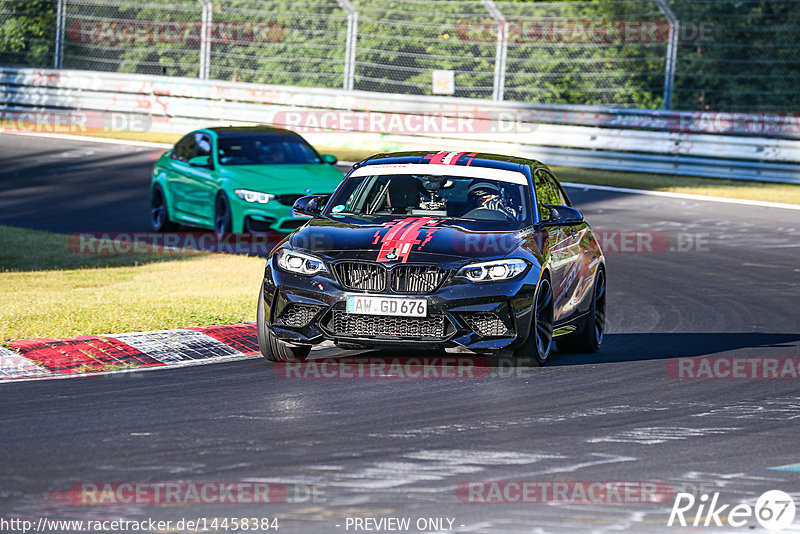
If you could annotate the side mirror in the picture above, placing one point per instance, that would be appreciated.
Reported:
(201, 161)
(330, 159)
(311, 205)
(562, 216)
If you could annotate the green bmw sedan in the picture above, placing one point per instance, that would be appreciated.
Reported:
(238, 179)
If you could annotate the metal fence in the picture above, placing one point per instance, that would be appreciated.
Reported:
(738, 55)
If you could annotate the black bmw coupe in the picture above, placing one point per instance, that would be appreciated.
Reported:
(437, 250)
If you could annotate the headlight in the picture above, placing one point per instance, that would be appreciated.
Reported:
(254, 196)
(299, 263)
(490, 271)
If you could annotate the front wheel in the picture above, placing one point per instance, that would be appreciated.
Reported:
(590, 338)
(272, 348)
(222, 215)
(536, 348)
(159, 214)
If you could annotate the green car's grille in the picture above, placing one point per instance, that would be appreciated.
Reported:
(288, 200)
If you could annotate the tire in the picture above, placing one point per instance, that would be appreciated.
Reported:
(272, 348)
(591, 336)
(222, 215)
(536, 348)
(159, 214)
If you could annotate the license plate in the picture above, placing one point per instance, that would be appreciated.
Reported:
(369, 305)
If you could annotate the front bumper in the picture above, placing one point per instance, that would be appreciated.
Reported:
(270, 217)
(480, 317)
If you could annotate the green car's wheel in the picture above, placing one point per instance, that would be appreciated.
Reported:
(272, 348)
(159, 214)
(536, 349)
(591, 336)
(222, 215)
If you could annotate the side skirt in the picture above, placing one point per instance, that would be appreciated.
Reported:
(569, 327)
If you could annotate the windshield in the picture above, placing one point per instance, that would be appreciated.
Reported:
(455, 197)
(265, 149)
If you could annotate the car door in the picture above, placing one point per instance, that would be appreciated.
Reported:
(564, 243)
(176, 177)
(200, 184)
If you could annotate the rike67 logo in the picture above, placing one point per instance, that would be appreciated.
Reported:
(774, 510)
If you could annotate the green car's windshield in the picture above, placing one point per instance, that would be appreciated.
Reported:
(265, 149)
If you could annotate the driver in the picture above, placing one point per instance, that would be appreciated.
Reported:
(484, 195)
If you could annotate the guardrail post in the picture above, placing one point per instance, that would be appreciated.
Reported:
(501, 51)
(672, 52)
(60, 18)
(205, 39)
(350, 45)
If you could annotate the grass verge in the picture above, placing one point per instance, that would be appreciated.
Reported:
(48, 291)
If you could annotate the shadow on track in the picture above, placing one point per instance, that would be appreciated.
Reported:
(657, 346)
(616, 348)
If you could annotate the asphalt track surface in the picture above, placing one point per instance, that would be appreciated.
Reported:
(400, 448)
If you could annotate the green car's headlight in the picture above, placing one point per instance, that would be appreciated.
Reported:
(299, 263)
(254, 196)
(491, 271)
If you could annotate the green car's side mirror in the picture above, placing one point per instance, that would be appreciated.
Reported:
(201, 161)
(330, 158)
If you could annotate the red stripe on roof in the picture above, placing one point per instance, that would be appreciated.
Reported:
(436, 159)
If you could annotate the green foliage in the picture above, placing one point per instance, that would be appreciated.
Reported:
(27, 32)
(734, 54)
(738, 55)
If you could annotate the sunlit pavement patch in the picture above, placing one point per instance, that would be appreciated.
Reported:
(64, 357)
(792, 468)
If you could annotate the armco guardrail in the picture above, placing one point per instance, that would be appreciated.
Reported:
(716, 145)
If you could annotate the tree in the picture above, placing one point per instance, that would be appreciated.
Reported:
(27, 32)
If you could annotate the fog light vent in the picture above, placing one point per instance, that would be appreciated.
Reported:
(487, 324)
(298, 315)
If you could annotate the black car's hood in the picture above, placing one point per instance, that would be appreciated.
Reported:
(406, 239)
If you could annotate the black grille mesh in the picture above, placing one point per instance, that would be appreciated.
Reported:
(417, 278)
(402, 279)
(297, 315)
(364, 276)
(347, 324)
(486, 324)
(288, 200)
